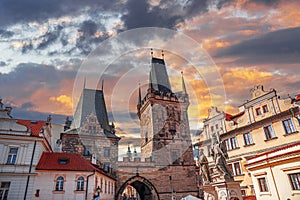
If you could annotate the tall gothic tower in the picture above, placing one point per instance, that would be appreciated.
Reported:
(165, 132)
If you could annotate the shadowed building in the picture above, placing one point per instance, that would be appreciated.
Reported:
(22, 143)
(91, 134)
(166, 168)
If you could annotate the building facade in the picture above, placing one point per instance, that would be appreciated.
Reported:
(265, 122)
(276, 173)
(22, 143)
(166, 169)
(71, 176)
(94, 137)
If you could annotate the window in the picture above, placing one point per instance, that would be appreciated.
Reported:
(235, 168)
(263, 184)
(86, 151)
(59, 184)
(265, 108)
(106, 152)
(4, 190)
(289, 126)
(269, 132)
(295, 180)
(80, 184)
(108, 187)
(12, 156)
(247, 139)
(208, 150)
(258, 111)
(243, 192)
(63, 161)
(231, 143)
(175, 158)
(146, 136)
(106, 167)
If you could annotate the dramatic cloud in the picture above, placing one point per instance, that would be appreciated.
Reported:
(6, 34)
(49, 37)
(275, 47)
(23, 11)
(30, 87)
(252, 41)
(139, 14)
(2, 64)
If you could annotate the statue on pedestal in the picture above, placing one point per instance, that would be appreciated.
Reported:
(204, 169)
(220, 155)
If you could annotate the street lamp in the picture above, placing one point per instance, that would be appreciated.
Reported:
(98, 190)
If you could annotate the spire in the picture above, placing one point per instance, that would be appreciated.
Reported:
(129, 150)
(150, 81)
(129, 154)
(84, 82)
(183, 84)
(159, 79)
(135, 153)
(140, 96)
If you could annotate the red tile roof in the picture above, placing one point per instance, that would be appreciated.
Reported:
(74, 162)
(34, 127)
(228, 116)
(297, 97)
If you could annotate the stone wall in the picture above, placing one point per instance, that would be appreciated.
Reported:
(182, 178)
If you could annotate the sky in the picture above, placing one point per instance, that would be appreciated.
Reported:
(46, 47)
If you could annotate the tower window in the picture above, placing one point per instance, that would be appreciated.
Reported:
(146, 136)
(106, 152)
(174, 156)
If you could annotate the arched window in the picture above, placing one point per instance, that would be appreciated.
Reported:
(59, 184)
(80, 184)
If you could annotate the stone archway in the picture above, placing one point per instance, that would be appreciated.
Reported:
(145, 188)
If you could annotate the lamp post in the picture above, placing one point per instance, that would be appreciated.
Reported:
(98, 190)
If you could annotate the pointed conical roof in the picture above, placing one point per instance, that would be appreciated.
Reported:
(183, 84)
(159, 79)
(140, 95)
(91, 101)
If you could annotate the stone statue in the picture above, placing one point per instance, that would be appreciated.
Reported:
(204, 169)
(220, 155)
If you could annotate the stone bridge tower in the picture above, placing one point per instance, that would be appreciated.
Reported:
(166, 170)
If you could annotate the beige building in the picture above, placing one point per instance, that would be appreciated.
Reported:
(265, 122)
(276, 173)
